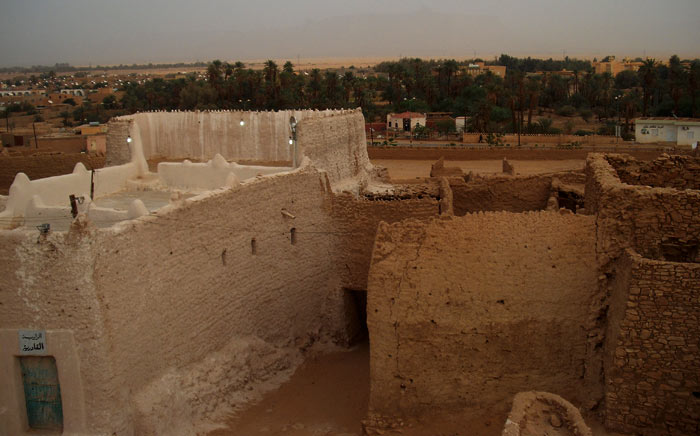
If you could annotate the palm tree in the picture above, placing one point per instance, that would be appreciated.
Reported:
(214, 72)
(693, 83)
(647, 74)
(448, 69)
(332, 88)
(348, 80)
(676, 80)
(533, 94)
(272, 89)
(314, 85)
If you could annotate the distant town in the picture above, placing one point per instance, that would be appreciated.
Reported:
(410, 98)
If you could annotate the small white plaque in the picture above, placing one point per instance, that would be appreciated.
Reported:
(32, 342)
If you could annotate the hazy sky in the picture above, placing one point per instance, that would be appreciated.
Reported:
(135, 31)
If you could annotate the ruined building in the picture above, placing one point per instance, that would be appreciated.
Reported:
(160, 298)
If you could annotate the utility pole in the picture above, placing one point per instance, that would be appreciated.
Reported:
(92, 185)
(36, 143)
(73, 206)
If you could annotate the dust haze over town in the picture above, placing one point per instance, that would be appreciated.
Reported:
(363, 218)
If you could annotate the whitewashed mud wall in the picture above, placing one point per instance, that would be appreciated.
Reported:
(177, 318)
(46, 283)
(201, 135)
(180, 316)
(200, 290)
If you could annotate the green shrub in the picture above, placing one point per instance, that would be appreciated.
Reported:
(566, 111)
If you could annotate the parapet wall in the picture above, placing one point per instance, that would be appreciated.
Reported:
(644, 218)
(264, 136)
(467, 322)
(652, 374)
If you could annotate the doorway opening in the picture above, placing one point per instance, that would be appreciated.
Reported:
(356, 316)
(42, 392)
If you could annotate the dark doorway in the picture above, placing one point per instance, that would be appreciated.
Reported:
(42, 392)
(570, 200)
(356, 316)
(676, 250)
(406, 124)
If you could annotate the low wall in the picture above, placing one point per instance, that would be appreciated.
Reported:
(64, 144)
(546, 139)
(214, 174)
(27, 196)
(494, 153)
(542, 413)
(639, 217)
(38, 166)
(511, 194)
(652, 374)
(679, 172)
(465, 323)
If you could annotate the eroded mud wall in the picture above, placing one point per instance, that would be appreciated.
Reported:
(335, 143)
(643, 218)
(466, 322)
(680, 172)
(357, 221)
(511, 194)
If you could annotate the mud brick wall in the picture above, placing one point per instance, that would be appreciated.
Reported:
(468, 321)
(117, 148)
(640, 217)
(357, 221)
(512, 194)
(335, 143)
(653, 365)
(680, 172)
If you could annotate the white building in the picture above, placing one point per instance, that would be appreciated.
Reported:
(680, 131)
(405, 121)
(80, 92)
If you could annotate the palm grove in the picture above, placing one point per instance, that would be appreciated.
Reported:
(519, 102)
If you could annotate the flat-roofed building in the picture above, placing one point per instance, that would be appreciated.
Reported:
(681, 131)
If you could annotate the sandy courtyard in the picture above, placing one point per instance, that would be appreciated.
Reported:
(408, 169)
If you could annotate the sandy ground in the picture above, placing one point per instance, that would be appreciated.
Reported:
(408, 169)
(326, 396)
